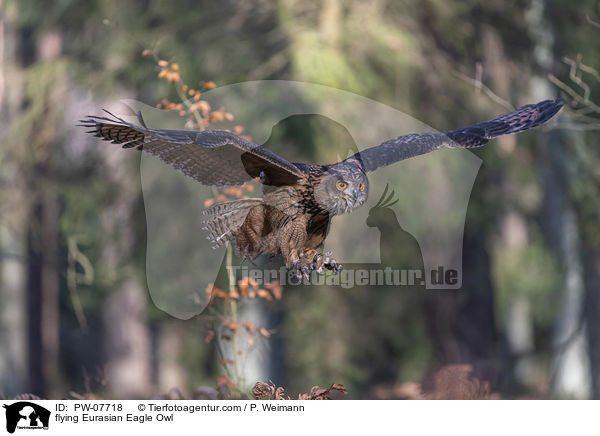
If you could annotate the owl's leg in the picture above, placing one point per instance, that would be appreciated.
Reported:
(292, 247)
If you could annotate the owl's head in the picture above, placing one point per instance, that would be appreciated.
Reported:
(341, 191)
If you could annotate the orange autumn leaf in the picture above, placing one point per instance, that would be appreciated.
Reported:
(243, 286)
(232, 191)
(146, 52)
(249, 326)
(234, 294)
(276, 289)
(263, 331)
(218, 293)
(223, 380)
(209, 202)
(162, 63)
(173, 76)
(263, 293)
(210, 85)
(209, 337)
(201, 106)
(232, 325)
(210, 288)
(217, 116)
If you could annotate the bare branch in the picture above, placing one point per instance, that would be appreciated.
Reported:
(479, 86)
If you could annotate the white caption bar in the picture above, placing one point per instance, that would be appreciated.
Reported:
(290, 417)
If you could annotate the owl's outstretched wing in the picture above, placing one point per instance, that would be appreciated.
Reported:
(407, 146)
(211, 157)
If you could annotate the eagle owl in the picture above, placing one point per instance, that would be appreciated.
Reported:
(299, 200)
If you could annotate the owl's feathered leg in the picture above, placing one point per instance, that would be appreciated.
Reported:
(291, 243)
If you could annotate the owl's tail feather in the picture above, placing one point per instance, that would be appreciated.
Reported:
(226, 218)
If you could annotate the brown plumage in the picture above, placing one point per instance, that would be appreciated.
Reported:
(299, 200)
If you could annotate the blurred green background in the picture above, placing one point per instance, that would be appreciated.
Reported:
(75, 314)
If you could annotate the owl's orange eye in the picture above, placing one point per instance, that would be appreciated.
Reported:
(341, 186)
(362, 186)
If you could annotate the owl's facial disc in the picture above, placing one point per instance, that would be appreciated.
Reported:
(342, 193)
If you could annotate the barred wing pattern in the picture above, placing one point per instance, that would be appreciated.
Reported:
(211, 157)
(415, 144)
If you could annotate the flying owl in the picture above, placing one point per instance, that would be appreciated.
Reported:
(299, 200)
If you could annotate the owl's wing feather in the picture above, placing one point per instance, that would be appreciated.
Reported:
(211, 157)
(415, 144)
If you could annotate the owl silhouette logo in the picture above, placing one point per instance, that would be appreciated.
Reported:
(26, 415)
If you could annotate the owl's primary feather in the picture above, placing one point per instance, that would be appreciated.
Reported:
(415, 144)
(299, 200)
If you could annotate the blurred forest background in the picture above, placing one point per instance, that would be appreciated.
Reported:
(75, 314)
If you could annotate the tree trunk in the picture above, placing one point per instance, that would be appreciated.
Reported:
(570, 369)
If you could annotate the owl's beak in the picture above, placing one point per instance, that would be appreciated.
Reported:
(355, 194)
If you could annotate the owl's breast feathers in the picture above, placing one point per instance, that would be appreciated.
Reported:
(299, 200)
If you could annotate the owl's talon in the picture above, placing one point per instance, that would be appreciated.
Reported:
(305, 272)
(332, 265)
